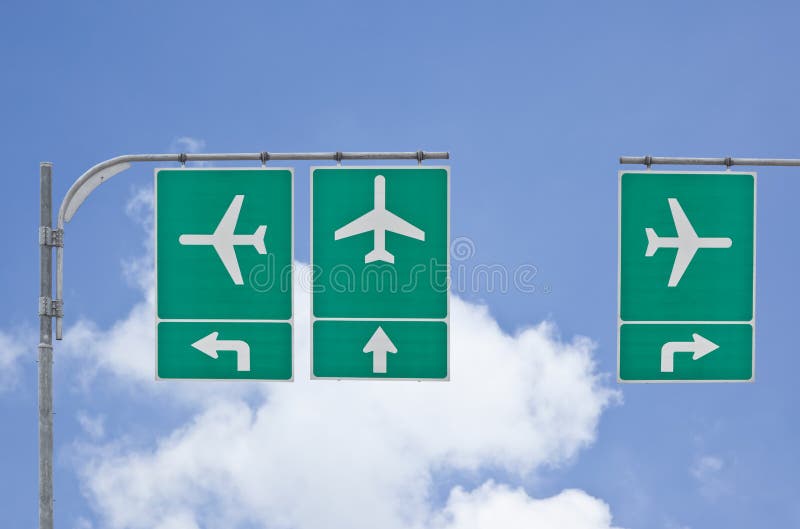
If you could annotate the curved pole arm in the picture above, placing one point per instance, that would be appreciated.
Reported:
(88, 182)
(102, 172)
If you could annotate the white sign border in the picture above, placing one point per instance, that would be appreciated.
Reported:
(290, 321)
(313, 318)
(620, 322)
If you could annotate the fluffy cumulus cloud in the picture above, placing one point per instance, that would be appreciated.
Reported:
(327, 454)
(492, 506)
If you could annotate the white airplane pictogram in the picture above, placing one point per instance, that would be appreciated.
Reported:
(223, 239)
(379, 221)
(687, 242)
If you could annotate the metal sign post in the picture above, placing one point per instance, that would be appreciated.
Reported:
(46, 313)
(52, 307)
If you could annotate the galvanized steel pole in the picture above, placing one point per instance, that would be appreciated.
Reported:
(45, 347)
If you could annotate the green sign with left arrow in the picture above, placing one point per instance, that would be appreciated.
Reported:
(225, 350)
(224, 273)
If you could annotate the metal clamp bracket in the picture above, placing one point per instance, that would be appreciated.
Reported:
(50, 237)
(54, 308)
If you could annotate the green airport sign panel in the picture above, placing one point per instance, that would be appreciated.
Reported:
(686, 352)
(224, 243)
(380, 252)
(363, 349)
(686, 261)
(223, 252)
(225, 350)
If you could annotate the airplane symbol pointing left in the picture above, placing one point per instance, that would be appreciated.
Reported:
(223, 239)
(687, 242)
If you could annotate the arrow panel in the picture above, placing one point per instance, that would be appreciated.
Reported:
(380, 349)
(662, 352)
(224, 350)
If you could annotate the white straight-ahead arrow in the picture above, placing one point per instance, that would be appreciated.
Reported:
(379, 345)
(211, 346)
(699, 346)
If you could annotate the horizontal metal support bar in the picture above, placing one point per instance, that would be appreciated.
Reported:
(727, 162)
(102, 172)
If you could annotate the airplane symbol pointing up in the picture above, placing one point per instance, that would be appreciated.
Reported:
(687, 242)
(379, 221)
(223, 239)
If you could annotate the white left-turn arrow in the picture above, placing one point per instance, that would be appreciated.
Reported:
(699, 347)
(211, 346)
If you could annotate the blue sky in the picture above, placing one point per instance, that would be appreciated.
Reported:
(535, 101)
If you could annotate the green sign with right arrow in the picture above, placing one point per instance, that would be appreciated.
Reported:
(686, 276)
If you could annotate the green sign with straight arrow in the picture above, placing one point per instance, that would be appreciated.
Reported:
(379, 259)
(686, 276)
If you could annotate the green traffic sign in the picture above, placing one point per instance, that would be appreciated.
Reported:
(224, 243)
(363, 349)
(225, 350)
(379, 252)
(686, 352)
(687, 261)
(223, 253)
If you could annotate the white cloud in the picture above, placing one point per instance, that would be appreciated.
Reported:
(93, 425)
(709, 472)
(495, 506)
(125, 349)
(706, 466)
(326, 454)
(187, 144)
(12, 350)
(82, 523)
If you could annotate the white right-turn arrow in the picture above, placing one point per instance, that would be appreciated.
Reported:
(379, 345)
(699, 346)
